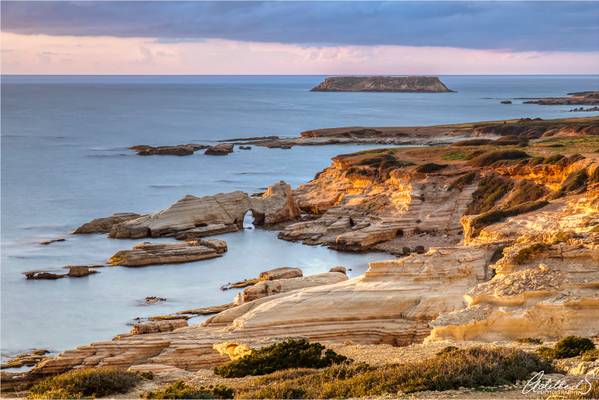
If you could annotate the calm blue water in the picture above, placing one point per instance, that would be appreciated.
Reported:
(64, 162)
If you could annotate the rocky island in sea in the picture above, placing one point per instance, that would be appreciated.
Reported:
(405, 84)
(493, 262)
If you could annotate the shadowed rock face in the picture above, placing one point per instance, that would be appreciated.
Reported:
(104, 225)
(429, 84)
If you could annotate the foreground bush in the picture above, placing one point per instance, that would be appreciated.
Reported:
(450, 369)
(288, 354)
(181, 390)
(78, 384)
(570, 346)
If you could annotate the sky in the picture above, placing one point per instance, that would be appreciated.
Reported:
(170, 38)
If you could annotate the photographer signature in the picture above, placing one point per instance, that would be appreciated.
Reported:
(537, 384)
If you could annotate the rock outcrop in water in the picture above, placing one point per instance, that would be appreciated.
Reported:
(589, 98)
(221, 149)
(176, 150)
(194, 217)
(422, 84)
(165, 253)
(104, 225)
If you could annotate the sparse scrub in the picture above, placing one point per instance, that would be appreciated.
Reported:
(450, 369)
(461, 181)
(84, 383)
(490, 157)
(491, 217)
(530, 340)
(182, 390)
(430, 167)
(290, 353)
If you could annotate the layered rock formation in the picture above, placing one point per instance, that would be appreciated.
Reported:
(221, 149)
(165, 253)
(193, 217)
(590, 98)
(104, 225)
(426, 84)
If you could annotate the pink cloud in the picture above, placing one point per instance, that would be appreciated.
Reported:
(40, 54)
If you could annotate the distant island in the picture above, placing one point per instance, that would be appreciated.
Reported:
(408, 84)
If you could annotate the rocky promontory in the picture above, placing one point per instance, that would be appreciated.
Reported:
(406, 84)
(589, 98)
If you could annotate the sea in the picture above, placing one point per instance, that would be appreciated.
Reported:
(65, 161)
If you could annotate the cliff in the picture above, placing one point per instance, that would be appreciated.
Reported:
(422, 84)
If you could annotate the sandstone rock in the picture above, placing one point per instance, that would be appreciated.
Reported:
(207, 310)
(159, 253)
(177, 150)
(158, 326)
(221, 149)
(78, 271)
(201, 216)
(27, 359)
(42, 275)
(341, 269)
(104, 225)
(280, 273)
(233, 350)
(266, 288)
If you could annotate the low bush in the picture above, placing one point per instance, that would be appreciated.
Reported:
(491, 157)
(472, 142)
(590, 355)
(491, 189)
(530, 340)
(451, 369)
(290, 353)
(494, 216)
(182, 390)
(569, 346)
(84, 383)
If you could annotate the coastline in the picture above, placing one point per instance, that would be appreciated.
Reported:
(309, 197)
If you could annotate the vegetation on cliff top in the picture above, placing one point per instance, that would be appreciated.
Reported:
(182, 390)
(290, 353)
(569, 346)
(452, 369)
(85, 383)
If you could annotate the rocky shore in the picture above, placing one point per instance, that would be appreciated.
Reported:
(406, 84)
(495, 238)
(589, 98)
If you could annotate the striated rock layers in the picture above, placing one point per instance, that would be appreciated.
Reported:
(166, 253)
(427, 84)
(194, 217)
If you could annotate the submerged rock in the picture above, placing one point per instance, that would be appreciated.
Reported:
(104, 225)
(162, 253)
(50, 241)
(221, 149)
(154, 300)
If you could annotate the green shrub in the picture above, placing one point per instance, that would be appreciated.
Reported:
(454, 156)
(491, 189)
(572, 346)
(494, 216)
(451, 369)
(491, 157)
(472, 142)
(569, 346)
(290, 353)
(181, 390)
(83, 383)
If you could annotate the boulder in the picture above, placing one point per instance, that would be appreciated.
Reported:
(158, 326)
(154, 300)
(78, 271)
(104, 225)
(221, 149)
(339, 268)
(162, 253)
(280, 273)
